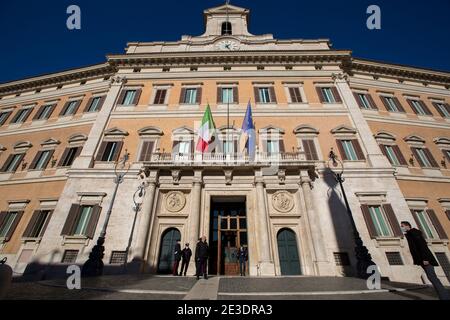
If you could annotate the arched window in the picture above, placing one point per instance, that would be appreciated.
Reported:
(226, 28)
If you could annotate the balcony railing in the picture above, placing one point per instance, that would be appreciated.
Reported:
(232, 159)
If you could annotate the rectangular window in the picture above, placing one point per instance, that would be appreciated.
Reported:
(349, 150)
(273, 146)
(160, 96)
(45, 112)
(146, 150)
(264, 95)
(95, 104)
(190, 96)
(392, 156)
(110, 151)
(423, 159)
(83, 220)
(118, 257)
(394, 258)
(13, 162)
(379, 221)
(70, 155)
(425, 224)
(295, 94)
(392, 106)
(184, 147)
(21, 116)
(70, 256)
(3, 117)
(417, 106)
(228, 146)
(7, 223)
(129, 97)
(444, 263)
(328, 95)
(227, 95)
(364, 101)
(37, 228)
(310, 149)
(341, 258)
(42, 160)
(442, 108)
(70, 109)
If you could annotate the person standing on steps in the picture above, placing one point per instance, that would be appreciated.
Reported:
(186, 254)
(177, 258)
(201, 257)
(423, 257)
(242, 257)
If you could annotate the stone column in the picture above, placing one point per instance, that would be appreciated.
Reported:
(266, 265)
(374, 154)
(195, 218)
(321, 264)
(145, 222)
(86, 157)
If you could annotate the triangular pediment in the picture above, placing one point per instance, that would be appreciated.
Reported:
(343, 129)
(116, 132)
(223, 9)
(77, 138)
(23, 144)
(384, 135)
(183, 130)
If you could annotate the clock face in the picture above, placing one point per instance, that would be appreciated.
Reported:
(227, 45)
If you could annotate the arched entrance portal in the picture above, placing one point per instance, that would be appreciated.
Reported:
(288, 252)
(168, 240)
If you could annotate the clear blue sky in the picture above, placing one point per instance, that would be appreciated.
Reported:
(35, 40)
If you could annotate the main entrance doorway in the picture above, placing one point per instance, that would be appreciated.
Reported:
(228, 232)
(166, 251)
(288, 252)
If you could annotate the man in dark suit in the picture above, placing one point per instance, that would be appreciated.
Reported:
(423, 257)
(201, 257)
(186, 254)
(177, 258)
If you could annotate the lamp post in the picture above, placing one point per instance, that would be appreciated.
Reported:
(138, 197)
(363, 257)
(94, 265)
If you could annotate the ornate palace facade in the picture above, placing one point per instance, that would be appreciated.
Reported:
(61, 135)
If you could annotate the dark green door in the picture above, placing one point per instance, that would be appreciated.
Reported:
(168, 242)
(288, 252)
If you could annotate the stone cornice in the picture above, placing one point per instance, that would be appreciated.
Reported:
(59, 78)
(401, 72)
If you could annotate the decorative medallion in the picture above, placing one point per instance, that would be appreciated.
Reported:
(282, 201)
(175, 201)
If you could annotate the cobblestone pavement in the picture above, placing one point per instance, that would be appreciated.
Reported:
(148, 287)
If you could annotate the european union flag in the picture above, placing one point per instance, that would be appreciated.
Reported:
(248, 137)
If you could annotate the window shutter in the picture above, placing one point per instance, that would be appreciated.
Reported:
(358, 100)
(446, 154)
(264, 145)
(256, 92)
(371, 102)
(6, 118)
(447, 212)
(63, 157)
(437, 225)
(273, 97)
(431, 158)
(383, 150)
(341, 150)
(191, 144)
(39, 112)
(137, 96)
(63, 110)
(369, 222)
(399, 155)
(281, 145)
(414, 152)
(175, 147)
(438, 109)
(336, 94)
(235, 95)
(199, 95)
(219, 95)
(425, 108)
(122, 96)
(31, 224)
(50, 154)
(8, 160)
(182, 95)
(101, 102)
(47, 220)
(386, 105)
(71, 219)
(413, 213)
(3, 215)
(117, 151)
(90, 230)
(235, 143)
(392, 220)
(52, 108)
(79, 149)
(34, 162)
(358, 150)
(101, 151)
(320, 94)
(27, 114)
(310, 149)
(13, 226)
(146, 151)
(88, 104)
(412, 106)
(398, 104)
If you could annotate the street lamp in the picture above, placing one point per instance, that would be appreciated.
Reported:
(94, 265)
(138, 197)
(363, 257)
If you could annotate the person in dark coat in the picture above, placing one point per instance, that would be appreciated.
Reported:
(197, 265)
(423, 257)
(242, 257)
(186, 254)
(201, 257)
(177, 258)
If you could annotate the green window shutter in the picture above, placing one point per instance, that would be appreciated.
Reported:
(71, 220)
(13, 226)
(341, 150)
(31, 224)
(437, 225)
(368, 219)
(92, 225)
(392, 220)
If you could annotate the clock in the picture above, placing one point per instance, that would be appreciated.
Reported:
(227, 45)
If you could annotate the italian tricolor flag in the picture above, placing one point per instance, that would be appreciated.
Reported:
(206, 131)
